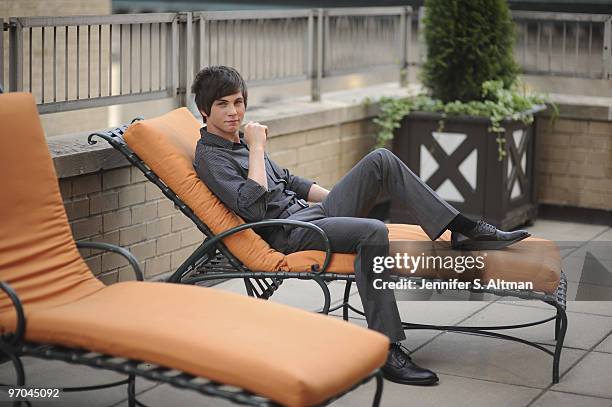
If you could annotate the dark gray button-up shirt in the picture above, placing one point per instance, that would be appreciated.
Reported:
(224, 165)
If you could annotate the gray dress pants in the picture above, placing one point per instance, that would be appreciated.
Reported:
(341, 216)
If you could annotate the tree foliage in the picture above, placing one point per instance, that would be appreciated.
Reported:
(468, 42)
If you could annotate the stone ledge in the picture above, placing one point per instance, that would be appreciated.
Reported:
(582, 107)
(73, 156)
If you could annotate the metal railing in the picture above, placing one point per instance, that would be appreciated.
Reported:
(356, 39)
(2, 55)
(564, 44)
(72, 63)
(264, 46)
(292, 45)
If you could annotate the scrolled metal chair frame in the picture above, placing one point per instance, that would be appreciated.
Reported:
(212, 261)
(13, 346)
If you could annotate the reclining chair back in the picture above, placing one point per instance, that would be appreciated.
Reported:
(167, 145)
(35, 237)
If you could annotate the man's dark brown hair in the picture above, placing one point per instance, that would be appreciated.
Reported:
(216, 82)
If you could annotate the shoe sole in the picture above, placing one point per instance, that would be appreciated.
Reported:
(489, 245)
(412, 382)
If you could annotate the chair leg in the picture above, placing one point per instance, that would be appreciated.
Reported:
(131, 391)
(561, 322)
(19, 373)
(326, 295)
(249, 287)
(345, 306)
(19, 370)
(379, 389)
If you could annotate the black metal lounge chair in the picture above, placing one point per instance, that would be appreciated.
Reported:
(156, 145)
(52, 307)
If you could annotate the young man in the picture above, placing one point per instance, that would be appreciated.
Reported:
(236, 168)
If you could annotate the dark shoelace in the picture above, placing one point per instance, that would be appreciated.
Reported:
(486, 227)
(404, 351)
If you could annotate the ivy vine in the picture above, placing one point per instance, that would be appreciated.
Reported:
(498, 104)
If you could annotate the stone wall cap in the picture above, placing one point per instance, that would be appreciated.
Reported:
(582, 107)
(73, 156)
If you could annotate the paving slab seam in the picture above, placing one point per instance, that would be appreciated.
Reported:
(139, 393)
(518, 304)
(566, 346)
(491, 381)
(355, 318)
(563, 374)
(437, 335)
(456, 324)
(410, 349)
(581, 394)
(585, 242)
(543, 392)
(590, 313)
(600, 342)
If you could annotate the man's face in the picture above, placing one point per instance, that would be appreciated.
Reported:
(226, 115)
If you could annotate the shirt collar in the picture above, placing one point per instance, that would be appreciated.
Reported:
(218, 141)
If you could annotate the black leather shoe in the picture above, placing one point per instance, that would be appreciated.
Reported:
(486, 237)
(400, 369)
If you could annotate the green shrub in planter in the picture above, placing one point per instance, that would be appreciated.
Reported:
(470, 136)
(498, 104)
(469, 42)
(469, 71)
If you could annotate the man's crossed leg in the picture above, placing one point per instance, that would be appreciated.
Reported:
(341, 216)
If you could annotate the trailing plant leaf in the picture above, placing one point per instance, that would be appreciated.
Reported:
(498, 104)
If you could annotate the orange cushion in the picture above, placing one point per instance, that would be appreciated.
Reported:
(293, 357)
(167, 144)
(38, 256)
(533, 260)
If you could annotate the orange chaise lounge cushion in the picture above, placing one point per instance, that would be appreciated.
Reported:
(167, 144)
(293, 357)
(532, 260)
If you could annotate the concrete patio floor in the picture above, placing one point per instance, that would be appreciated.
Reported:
(473, 370)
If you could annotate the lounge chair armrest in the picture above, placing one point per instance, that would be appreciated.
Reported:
(14, 338)
(115, 136)
(115, 249)
(211, 242)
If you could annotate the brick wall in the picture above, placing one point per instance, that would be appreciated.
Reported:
(121, 207)
(323, 154)
(575, 168)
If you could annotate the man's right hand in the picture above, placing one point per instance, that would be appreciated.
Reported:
(255, 134)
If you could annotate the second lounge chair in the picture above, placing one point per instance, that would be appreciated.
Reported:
(218, 343)
(163, 149)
